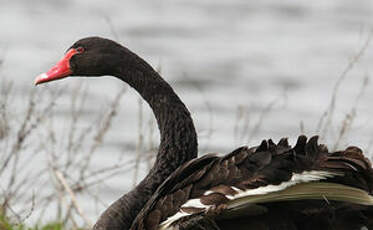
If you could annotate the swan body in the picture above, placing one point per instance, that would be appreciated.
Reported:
(271, 186)
(246, 182)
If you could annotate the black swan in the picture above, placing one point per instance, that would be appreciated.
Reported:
(271, 186)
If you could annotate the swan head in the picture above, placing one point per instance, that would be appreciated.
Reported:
(91, 56)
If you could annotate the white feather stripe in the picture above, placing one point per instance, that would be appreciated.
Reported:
(304, 177)
(194, 203)
(236, 189)
(208, 192)
(305, 191)
(167, 223)
(297, 178)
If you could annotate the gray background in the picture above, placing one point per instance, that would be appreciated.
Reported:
(277, 61)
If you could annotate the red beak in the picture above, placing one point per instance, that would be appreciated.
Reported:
(60, 70)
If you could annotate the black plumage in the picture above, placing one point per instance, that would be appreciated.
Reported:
(272, 186)
(268, 164)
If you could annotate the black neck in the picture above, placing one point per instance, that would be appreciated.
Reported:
(178, 140)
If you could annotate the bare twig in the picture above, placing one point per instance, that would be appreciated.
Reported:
(63, 182)
(100, 134)
(328, 115)
(140, 140)
(348, 121)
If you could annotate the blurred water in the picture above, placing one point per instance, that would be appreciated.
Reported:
(219, 56)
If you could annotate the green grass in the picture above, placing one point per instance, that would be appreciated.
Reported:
(5, 224)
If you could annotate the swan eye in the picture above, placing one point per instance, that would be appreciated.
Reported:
(80, 49)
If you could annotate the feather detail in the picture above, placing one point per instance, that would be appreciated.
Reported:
(247, 180)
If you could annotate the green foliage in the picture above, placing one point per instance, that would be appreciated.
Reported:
(5, 224)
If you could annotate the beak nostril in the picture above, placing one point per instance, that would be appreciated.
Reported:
(80, 49)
